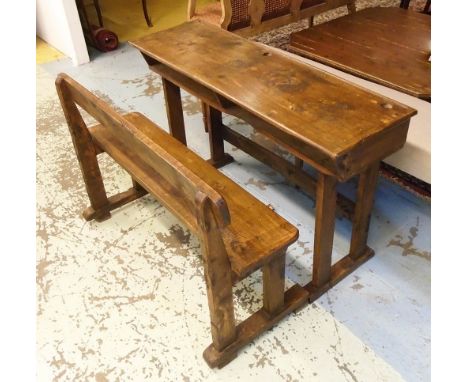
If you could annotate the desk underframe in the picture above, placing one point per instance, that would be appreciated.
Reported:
(329, 203)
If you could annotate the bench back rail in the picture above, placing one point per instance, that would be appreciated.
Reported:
(177, 178)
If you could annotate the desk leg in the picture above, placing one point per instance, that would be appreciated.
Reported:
(324, 229)
(362, 213)
(175, 114)
(214, 125)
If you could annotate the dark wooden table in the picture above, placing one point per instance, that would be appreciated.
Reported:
(340, 129)
(389, 46)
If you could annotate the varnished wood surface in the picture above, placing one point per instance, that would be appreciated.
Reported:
(389, 46)
(311, 110)
(255, 233)
(237, 233)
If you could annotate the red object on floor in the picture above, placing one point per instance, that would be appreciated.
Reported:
(104, 39)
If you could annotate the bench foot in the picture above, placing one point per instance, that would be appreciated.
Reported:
(91, 214)
(339, 271)
(115, 201)
(257, 323)
(223, 161)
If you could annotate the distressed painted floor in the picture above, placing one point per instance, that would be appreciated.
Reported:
(124, 300)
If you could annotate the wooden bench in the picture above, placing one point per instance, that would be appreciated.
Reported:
(238, 234)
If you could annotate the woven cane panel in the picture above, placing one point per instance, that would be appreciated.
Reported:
(275, 8)
(240, 14)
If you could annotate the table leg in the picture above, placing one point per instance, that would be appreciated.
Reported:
(362, 212)
(214, 126)
(324, 229)
(175, 114)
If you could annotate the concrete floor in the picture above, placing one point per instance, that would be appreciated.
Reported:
(125, 299)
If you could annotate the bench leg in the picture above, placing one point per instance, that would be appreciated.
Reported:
(259, 322)
(273, 285)
(214, 126)
(175, 114)
(362, 213)
(324, 229)
(217, 271)
(86, 152)
(94, 184)
(117, 200)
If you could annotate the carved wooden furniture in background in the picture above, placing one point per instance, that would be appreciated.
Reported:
(340, 129)
(248, 17)
(238, 234)
(389, 46)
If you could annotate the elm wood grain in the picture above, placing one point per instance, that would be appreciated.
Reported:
(238, 234)
(382, 145)
(273, 285)
(324, 229)
(318, 160)
(318, 117)
(175, 115)
(214, 124)
(209, 98)
(86, 153)
(389, 46)
(217, 275)
(362, 215)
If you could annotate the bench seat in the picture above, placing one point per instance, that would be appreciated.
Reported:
(255, 234)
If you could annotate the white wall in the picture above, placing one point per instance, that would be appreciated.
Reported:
(58, 23)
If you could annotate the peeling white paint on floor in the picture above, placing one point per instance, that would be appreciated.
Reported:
(125, 299)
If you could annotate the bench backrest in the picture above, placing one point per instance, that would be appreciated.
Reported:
(249, 17)
(191, 191)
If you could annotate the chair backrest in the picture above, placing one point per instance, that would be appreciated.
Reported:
(253, 12)
(248, 17)
(189, 189)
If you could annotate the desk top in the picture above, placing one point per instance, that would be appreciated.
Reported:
(389, 46)
(323, 112)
